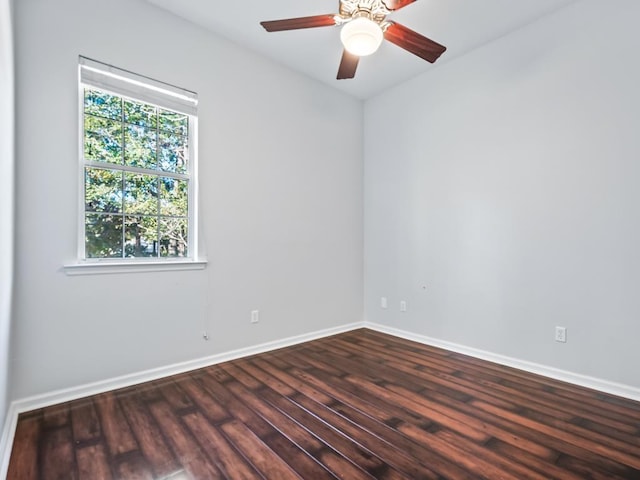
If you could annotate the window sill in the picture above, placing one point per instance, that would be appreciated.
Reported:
(105, 268)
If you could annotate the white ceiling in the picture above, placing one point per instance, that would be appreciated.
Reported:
(460, 25)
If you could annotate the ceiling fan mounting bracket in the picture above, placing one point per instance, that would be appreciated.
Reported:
(374, 10)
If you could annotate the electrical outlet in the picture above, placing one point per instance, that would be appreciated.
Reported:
(561, 334)
(403, 306)
(255, 316)
(383, 302)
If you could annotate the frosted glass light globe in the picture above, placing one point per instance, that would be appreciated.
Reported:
(361, 36)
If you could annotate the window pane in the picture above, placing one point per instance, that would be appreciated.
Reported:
(140, 147)
(173, 197)
(140, 114)
(103, 190)
(102, 139)
(103, 235)
(141, 237)
(173, 237)
(141, 194)
(128, 213)
(173, 122)
(174, 153)
(102, 104)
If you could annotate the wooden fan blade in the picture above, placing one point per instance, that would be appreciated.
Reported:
(414, 42)
(397, 4)
(348, 65)
(300, 22)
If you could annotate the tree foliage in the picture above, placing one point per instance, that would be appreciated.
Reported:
(136, 202)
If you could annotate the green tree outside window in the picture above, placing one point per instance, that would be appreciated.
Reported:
(136, 178)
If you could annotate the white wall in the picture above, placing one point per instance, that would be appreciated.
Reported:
(507, 183)
(6, 198)
(281, 201)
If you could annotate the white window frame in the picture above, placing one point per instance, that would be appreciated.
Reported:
(103, 77)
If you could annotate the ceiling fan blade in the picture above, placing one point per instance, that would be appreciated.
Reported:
(414, 42)
(348, 65)
(397, 4)
(300, 22)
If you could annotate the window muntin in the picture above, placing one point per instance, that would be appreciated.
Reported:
(138, 173)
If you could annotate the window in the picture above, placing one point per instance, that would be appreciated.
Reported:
(138, 167)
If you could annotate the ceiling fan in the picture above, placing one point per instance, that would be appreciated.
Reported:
(364, 26)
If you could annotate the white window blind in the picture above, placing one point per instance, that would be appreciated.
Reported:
(128, 84)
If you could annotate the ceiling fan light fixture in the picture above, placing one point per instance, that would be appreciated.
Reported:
(361, 36)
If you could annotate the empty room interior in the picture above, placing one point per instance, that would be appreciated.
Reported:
(245, 251)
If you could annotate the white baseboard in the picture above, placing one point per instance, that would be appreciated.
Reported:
(621, 390)
(64, 395)
(6, 440)
(74, 393)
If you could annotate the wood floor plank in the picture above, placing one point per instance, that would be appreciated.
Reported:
(259, 454)
(440, 414)
(477, 464)
(608, 449)
(117, 433)
(56, 416)
(533, 441)
(359, 405)
(391, 454)
(304, 437)
(394, 452)
(85, 422)
(93, 463)
(593, 471)
(372, 436)
(474, 387)
(361, 390)
(328, 436)
(337, 463)
(272, 435)
(534, 462)
(349, 448)
(237, 410)
(603, 402)
(314, 383)
(552, 415)
(419, 402)
(134, 467)
(148, 435)
(58, 456)
(276, 417)
(298, 460)
(529, 440)
(176, 396)
(24, 455)
(212, 409)
(615, 438)
(191, 457)
(221, 451)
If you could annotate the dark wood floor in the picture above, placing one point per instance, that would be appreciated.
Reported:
(359, 405)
